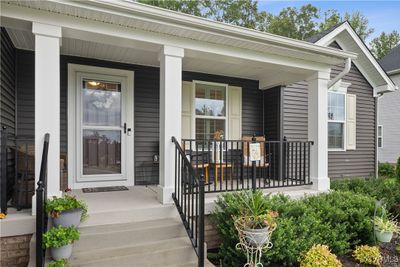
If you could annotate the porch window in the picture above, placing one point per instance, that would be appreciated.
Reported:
(336, 120)
(380, 136)
(210, 110)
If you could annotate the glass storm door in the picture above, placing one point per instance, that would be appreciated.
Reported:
(102, 128)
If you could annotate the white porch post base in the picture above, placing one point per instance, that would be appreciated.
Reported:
(170, 117)
(47, 103)
(318, 129)
(321, 183)
(164, 194)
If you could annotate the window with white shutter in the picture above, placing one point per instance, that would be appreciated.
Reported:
(351, 121)
(210, 107)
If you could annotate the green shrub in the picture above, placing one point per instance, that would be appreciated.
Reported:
(382, 188)
(368, 255)
(60, 236)
(57, 205)
(340, 220)
(386, 169)
(58, 263)
(398, 249)
(319, 256)
(398, 169)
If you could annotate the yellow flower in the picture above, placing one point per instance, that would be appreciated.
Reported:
(2, 216)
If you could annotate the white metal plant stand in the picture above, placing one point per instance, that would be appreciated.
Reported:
(253, 243)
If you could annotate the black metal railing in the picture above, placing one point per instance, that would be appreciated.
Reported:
(189, 199)
(227, 163)
(17, 170)
(41, 197)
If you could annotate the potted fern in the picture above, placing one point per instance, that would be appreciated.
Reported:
(256, 221)
(59, 240)
(66, 210)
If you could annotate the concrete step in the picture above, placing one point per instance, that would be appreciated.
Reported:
(143, 253)
(131, 215)
(113, 237)
(174, 256)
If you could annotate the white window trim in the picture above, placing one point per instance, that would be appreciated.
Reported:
(341, 92)
(380, 136)
(194, 116)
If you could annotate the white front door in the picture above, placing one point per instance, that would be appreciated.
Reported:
(104, 130)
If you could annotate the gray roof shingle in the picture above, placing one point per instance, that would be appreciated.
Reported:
(392, 60)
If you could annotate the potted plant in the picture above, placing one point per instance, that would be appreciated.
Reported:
(384, 228)
(66, 210)
(257, 229)
(256, 221)
(59, 240)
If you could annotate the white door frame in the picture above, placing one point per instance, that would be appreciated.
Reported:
(127, 77)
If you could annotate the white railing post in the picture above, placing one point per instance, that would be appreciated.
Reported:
(170, 116)
(318, 129)
(47, 101)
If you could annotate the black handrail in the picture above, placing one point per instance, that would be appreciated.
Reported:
(189, 200)
(41, 197)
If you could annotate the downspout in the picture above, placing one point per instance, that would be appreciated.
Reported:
(347, 67)
(379, 95)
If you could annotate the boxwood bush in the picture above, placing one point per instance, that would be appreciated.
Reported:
(340, 220)
(382, 188)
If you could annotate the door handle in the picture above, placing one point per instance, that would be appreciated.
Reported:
(125, 128)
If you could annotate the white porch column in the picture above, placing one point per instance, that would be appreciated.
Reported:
(170, 117)
(47, 101)
(318, 129)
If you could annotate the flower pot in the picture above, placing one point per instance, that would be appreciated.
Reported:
(256, 237)
(384, 237)
(68, 218)
(63, 252)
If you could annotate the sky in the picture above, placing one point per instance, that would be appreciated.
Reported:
(382, 15)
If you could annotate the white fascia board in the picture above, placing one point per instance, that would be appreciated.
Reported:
(159, 15)
(85, 29)
(129, 10)
(330, 37)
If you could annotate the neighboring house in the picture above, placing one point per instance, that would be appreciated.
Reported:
(389, 111)
(113, 82)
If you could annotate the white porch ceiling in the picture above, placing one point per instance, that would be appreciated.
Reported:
(148, 56)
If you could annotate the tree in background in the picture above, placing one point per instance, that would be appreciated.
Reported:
(381, 46)
(359, 23)
(331, 18)
(294, 23)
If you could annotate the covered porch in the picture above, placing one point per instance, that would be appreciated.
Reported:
(147, 64)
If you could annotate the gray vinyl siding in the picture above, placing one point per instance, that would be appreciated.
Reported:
(7, 82)
(8, 99)
(146, 109)
(389, 118)
(272, 113)
(25, 93)
(350, 163)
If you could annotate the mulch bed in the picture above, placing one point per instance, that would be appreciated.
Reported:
(391, 258)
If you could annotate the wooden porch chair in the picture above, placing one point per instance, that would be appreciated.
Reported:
(262, 163)
(199, 161)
